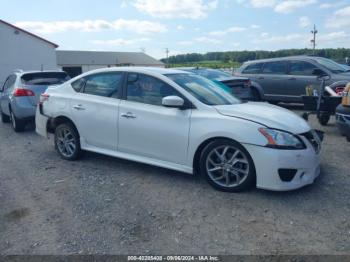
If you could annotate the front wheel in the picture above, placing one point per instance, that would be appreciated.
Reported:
(67, 141)
(227, 166)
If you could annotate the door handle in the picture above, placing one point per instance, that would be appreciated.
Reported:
(261, 77)
(79, 107)
(128, 115)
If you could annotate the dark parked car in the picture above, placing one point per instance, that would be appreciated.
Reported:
(343, 120)
(239, 86)
(20, 95)
(285, 79)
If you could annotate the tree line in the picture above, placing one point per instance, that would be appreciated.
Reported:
(338, 55)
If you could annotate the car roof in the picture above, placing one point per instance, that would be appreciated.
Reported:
(301, 57)
(137, 69)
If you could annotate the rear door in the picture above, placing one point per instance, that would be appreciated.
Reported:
(273, 80)
(95, 108)
(300, 76)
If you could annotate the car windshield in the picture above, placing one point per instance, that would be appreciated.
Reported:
(45, 78)
(203, 89)
(331, 65)
(211, 73)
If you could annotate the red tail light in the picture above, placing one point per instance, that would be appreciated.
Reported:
(23, 92)
(339, 90)
(44, 97)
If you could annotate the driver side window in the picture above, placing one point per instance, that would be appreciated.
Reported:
(148, 90)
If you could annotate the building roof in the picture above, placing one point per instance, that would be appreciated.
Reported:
(28, 33)
(65, 57)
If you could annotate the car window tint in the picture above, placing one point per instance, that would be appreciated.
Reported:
(107, 84)
(148, 90)
(253, 69)
(78, 84)
(276, 68)
(301, 68)
(11, 81)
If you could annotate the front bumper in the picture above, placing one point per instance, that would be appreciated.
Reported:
(269, 161)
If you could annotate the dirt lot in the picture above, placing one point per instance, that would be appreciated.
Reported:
(103, 205)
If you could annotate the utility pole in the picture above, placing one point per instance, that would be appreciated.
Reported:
(167, 56)
(313, 40)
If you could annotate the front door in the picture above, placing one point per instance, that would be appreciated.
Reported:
(300, 76)
(95, 109)
(148, 129)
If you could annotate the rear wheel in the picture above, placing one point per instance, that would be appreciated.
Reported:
(4, 118)
(67, 141)
(227, 166)
(17, 124)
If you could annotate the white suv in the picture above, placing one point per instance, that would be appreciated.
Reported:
(181, 121)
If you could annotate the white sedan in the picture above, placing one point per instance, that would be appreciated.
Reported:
(181, 121)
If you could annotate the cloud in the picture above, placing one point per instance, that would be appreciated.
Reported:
(290, 38)
(333, 37)
(333, 5)
(290, 6)
(234, 29)
(208, 40)
(185, 43)
(255, 26)
(192, 9)
(304, 21)
(339, 19)
(120, 41)
(136, 26)
(279, 6)
(262, 3)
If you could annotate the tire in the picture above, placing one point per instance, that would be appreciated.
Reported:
(256, 95)
(17, 124)
(323, 119)
(227, 166)
(67, 141)
(4, 118)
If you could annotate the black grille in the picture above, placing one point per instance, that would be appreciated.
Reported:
(314, 138)
(287, 175)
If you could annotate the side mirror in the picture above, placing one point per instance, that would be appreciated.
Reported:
(173, 101)
(319, 73)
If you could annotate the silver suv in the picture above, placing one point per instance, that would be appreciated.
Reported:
(284, 79)
(20, 95)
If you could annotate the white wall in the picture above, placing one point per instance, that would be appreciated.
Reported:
(22, 51)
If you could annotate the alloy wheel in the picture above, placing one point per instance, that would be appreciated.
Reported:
(227, 166)
(66, 142)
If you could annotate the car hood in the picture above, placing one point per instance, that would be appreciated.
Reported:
(267, 115)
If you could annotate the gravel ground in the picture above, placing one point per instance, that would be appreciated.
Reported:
(104, 205)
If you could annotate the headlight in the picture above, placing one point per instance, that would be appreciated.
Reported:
(282, 140)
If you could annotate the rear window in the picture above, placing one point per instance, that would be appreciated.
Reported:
(253, 69)
(47, 78)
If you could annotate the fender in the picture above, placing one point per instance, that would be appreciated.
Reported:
(258, 87)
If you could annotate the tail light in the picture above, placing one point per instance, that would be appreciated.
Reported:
(346, 96)
(247, 83)
(339, 90)
(44, 97)
(23, 92)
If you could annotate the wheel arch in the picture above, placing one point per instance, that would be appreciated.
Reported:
(56, 121)
(258, 88)
(197, 154)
